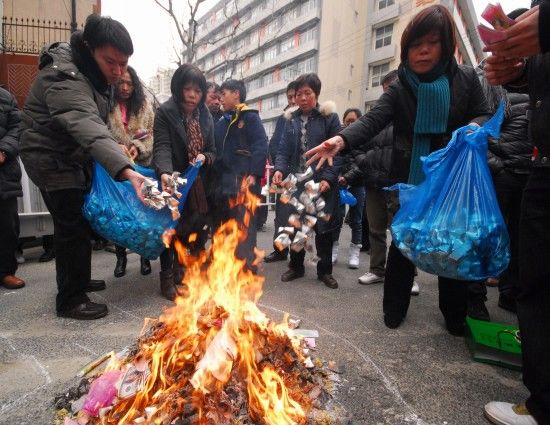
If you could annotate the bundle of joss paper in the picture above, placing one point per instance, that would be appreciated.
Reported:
(498, 19)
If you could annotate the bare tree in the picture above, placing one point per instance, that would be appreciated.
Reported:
(187, 29)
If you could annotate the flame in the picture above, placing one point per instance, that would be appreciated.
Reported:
(213, 335)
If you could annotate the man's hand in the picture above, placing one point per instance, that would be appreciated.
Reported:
(342, 181)
(277, 178)
(165, 182)
(324, 186)
(2, 158)
(522, 38)
(135, 179)
(326, 151)
(499, 70)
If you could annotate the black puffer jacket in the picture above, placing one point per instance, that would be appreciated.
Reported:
(398, 105)
(376, 163)
(10, 171)
(351, 170)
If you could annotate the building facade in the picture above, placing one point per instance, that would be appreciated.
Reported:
(159, 84)
(386, 22)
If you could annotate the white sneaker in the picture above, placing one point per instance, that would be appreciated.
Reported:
(415, 290)
(354, 255)
(500, 413)
(335, 252)
(370, 278)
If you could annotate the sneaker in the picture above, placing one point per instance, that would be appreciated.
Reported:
(501, 413)
(335, 246)
(370, 278)
(415, 290)
(353, 262)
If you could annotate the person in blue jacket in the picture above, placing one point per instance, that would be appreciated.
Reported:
(241, 146)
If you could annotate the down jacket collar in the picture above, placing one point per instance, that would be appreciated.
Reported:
(325, 109)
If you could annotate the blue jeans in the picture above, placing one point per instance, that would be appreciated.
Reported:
(355, 216)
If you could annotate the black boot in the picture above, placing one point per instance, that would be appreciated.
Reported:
(120, 268)
(145, 266)
(167, 286)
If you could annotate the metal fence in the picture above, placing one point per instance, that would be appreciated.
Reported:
(29, 35)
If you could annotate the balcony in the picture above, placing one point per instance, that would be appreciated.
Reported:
(383, 15)
(264, 91)
(382, 54)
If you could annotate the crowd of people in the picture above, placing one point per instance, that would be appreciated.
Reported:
(72, 117)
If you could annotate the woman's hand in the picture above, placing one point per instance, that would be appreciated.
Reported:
(342, 181)
(133, 152)
(200, 157)
(522, 38)
(499, 70)
(135, 179)
(277, 178)
(165, 182)
(324, 186)
(251, 180)
(326, 151)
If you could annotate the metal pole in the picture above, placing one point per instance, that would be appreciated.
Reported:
(73, 16)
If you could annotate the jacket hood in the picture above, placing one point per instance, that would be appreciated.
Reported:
(325, 109)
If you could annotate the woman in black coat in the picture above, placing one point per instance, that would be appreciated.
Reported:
(452, 97)
(306, 127)
(184, 134)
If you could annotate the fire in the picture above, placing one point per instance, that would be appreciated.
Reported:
(214, 340)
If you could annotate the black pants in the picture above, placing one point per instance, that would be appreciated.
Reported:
(509, 189)
(398, 283)
(9, 236)
(533, 302)
(323, 244)
(73, 252)
(282, 213)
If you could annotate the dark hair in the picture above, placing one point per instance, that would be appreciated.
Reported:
(291, 86)
(235, 85)
(311, 80)
(212, 85)
(390, 77)
(185, 74)
(433, 18)
(101, 31)
(517, 12)
(136, 102)
(356, 111)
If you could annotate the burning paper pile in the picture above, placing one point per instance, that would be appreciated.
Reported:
(214, 358)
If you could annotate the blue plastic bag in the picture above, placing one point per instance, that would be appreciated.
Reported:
(451, 225)
(115, 212)
(346, 197)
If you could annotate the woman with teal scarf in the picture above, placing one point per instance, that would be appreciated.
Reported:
(432, 97)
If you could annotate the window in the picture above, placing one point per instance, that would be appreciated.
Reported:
(384, 3)
(378, 72)
(383, 36)
(268, 79)
(255, 60)
(310, 34)
(287, 44)
(270, 53)
(269, 103)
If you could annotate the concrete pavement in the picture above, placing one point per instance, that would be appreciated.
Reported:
(416, 374)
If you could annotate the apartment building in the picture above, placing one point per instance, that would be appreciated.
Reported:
(159, 84)
(386, 22)
(269, 43)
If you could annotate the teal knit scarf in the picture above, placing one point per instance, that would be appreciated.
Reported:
(432, 112)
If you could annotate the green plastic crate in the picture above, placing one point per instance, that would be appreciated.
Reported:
(494, 343)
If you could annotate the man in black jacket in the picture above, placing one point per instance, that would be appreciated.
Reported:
(530, 37)
(63, 130)
(10, 189)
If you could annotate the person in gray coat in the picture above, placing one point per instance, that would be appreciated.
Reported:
(64, 128)
(10, 189)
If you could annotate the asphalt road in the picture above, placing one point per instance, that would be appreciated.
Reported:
(417, 374)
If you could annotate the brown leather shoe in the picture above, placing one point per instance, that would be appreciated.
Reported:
(290, 275)
(12, 282)
(329, 281)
